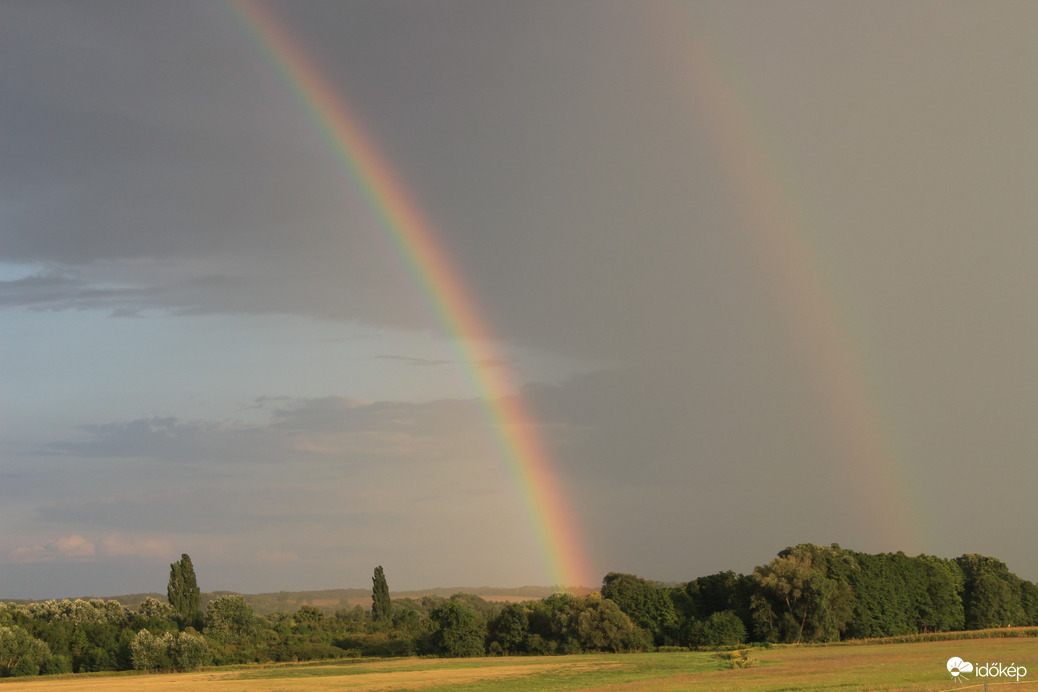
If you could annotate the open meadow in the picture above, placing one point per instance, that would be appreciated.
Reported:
(903, 666)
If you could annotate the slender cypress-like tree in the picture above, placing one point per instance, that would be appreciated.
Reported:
(183, 592)
(380, 604)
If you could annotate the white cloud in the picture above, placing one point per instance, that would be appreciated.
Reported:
(76, 546)
(63, 548)
(117, 544)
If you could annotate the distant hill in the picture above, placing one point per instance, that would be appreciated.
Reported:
(337, 599)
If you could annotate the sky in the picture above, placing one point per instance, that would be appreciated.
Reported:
(752, 274)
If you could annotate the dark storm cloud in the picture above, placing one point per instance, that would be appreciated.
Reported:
(562, 158)
(154, 160)
(134, 132)
(169, 143)
(682, 456)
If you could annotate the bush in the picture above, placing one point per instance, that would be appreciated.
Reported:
(510, 628)
(598, 624)
(21, 654)
(308, 651)
(149, 652)
(188, 650)
(56, 665)
(25, 667)
(720, 629)
(403, 647)
(539, 646)
(229, 620)
(458, 632)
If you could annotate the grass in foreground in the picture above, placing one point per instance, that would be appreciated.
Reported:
(902, 666)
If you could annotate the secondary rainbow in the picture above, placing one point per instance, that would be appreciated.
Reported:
(414, 238)
(780, 230)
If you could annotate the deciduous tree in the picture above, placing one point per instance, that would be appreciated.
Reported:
(21, 654)
(229, 620)
(992, 593)
(511, 627)
(599, 624)
(149, 652)
(722, 628)
(648, 604)
(458, 631)
(381, 605)
(183, 592)
(810, 602)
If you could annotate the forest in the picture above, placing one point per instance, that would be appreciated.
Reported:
(807, 593)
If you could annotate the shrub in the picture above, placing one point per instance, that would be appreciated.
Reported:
(149, 652)
(458, 631)
(188, 650)
(21, 654)
(25, 667)
(229, 620)
(720, 629)
(56, 665)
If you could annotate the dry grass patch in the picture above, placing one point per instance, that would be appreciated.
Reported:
(400, 674)
(873, 667)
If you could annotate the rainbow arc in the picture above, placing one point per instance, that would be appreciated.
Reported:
(780, 231)
(521, 450)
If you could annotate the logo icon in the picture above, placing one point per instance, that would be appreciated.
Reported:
(956, 666)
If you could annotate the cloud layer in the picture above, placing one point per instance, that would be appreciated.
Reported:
(212, 343)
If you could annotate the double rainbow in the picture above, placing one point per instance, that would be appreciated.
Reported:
(777, 226)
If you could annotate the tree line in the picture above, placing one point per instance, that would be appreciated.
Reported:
(816, 593)
(806, 593)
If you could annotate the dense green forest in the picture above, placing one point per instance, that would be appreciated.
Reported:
(807, 593)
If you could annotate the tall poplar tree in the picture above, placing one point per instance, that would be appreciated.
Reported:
(380, 604)
(183, 592)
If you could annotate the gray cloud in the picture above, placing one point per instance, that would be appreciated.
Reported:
(57, 292)
(192, 170)
(329, 428)
(156, 438)
(365, 476)
(207, 510)
(171, 289)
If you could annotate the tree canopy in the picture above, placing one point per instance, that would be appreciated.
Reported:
(806, 593)
(183, 592)
(381, 605)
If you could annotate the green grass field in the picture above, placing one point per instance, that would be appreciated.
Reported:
(870, 666)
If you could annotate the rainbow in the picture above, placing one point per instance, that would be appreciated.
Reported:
(820, 326)
(523, 452)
